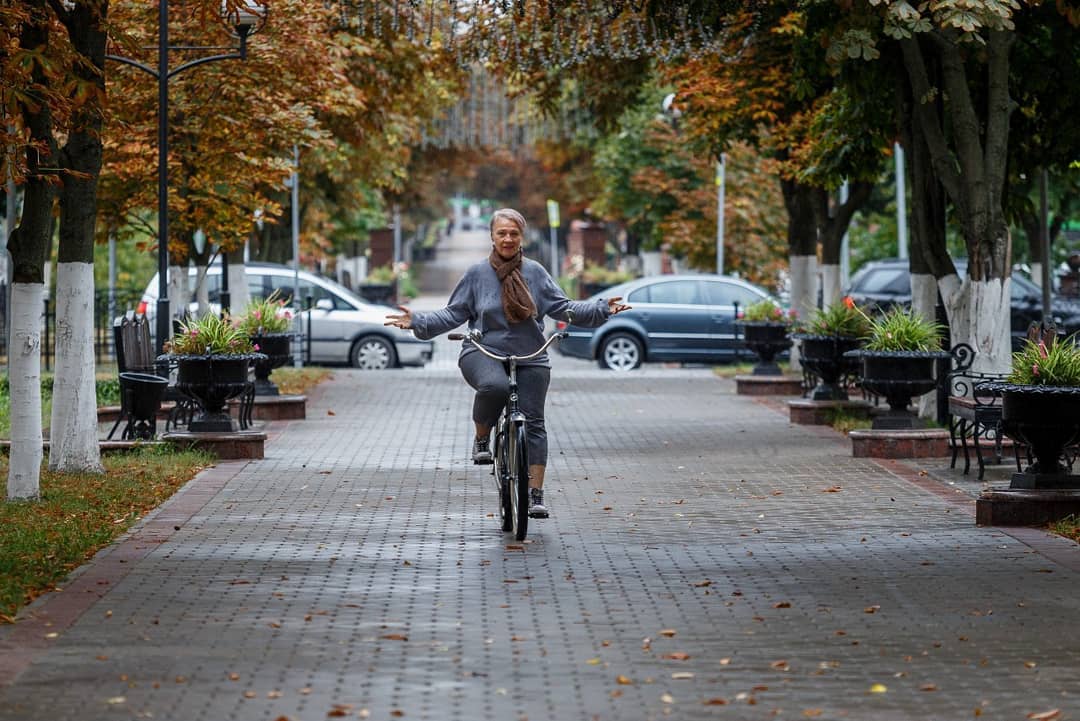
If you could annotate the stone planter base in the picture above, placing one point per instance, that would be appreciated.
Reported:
(278, 408)
(242, 445)
(901, 443)
(819, 413)
(1017, 507)
(756, 385)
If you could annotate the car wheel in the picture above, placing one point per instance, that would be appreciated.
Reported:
(620, 352)
(372, 353)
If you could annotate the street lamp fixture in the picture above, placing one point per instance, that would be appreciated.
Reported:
(244, 17)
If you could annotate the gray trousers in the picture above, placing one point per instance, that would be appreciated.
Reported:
(488, 378)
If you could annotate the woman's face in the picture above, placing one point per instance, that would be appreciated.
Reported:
(506, 237)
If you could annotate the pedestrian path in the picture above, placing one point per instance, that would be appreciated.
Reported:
(705, 560)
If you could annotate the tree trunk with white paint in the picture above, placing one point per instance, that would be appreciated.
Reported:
(29, 246)
(73, 445)
(202, 290)
(239, 295)
(831, 288)
(179, 292)
(803, 294)
(1036, 272)
(24, 384)
(924, 293)
(73, 441)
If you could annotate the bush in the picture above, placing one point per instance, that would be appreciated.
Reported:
(902, 329)
(1046, 360)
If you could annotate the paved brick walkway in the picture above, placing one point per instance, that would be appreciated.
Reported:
(705, 560)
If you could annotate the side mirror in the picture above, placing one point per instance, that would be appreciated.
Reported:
(324, 304)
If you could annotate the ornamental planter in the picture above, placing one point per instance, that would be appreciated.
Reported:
(898, 376)
(823, 355)
(765, 339)
(1047, 419)
(275, 346)
(212, 380)
(378, 293)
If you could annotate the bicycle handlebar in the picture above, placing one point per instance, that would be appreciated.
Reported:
(474, 336)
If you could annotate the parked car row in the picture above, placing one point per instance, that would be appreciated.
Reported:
(345, 329)
(884, 283)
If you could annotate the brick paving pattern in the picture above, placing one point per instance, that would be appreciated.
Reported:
(705, 560)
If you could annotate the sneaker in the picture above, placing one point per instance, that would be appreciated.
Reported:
(481, 452)
(537, 509)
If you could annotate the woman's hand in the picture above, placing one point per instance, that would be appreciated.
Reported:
(403, 321)
(615, 305)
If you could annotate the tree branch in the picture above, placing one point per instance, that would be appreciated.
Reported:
(966, 128)
(926, 116)
(999, 107)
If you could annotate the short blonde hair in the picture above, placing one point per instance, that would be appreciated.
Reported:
(507, 214)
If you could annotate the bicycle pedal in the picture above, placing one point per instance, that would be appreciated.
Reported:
(487, 462)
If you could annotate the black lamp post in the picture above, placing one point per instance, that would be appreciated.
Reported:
(246, 17)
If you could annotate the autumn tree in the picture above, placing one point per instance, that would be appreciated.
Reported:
(957, 105)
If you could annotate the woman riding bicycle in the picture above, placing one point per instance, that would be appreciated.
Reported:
(506, 298)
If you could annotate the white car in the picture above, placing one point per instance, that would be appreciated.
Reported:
(344, 328)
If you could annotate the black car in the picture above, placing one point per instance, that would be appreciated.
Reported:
(884, 283)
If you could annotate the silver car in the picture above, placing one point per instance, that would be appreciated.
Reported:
(344, 328)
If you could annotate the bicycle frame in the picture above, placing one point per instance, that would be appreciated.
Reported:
(510, 454)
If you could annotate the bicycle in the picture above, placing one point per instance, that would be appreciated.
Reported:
(510, 451)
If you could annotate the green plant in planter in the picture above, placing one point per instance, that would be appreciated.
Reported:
(262, 317)
(1046, 360)
(902, 329)
(839, 319)
(602, 275)
(381, 274)
(209, 335)
(767, 311)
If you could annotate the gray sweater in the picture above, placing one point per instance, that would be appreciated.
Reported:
(477, 299)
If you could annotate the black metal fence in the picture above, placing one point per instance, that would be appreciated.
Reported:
(106, 306)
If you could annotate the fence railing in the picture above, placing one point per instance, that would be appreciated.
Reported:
(106, 307)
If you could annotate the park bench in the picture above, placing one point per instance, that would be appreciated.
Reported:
(141, 389)
(974, 413)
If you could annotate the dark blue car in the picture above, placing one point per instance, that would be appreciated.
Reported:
(687, 318)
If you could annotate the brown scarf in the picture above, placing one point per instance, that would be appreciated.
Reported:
(517, 302)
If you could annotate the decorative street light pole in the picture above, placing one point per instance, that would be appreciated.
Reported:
(246, 17)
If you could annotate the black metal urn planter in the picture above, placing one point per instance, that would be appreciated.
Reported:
(765, 339)
(1047, 419)
(824, 356)
(212, 380)
(898, 376)
(276, 348)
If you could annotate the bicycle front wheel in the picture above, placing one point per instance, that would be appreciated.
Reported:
(502, 471)
(519, 481)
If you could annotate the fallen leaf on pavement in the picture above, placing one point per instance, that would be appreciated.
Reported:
(623, 680)
(871, 609)
(879, 688)
(702, 584)
(667, 698)
(677, 656)
(812, 712)
(781, 665)
(250, 694)
(669, 632)
(782, 604)
(1045, 715)
(682, 675)
(593, 662)
(396, 637)
(928, 687)
(714, 702)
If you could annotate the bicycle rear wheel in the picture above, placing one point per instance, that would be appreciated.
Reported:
(518, 481)
(501, 471)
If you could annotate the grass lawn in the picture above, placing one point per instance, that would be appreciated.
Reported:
(41, 542)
